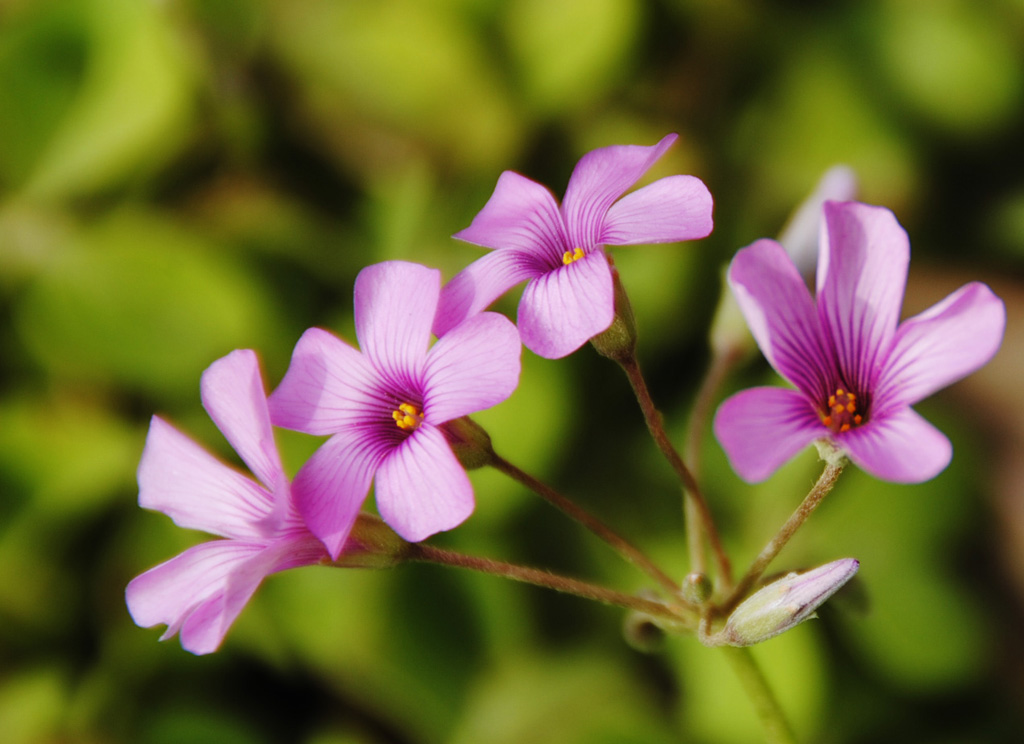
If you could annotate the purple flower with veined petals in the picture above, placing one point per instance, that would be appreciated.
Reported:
(569, 297)
(856, 368)
(387, 404)
(200, 592)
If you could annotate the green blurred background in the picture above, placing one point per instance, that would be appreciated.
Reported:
(182, 178)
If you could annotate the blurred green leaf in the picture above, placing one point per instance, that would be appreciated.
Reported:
(570, 52)
(199, 727)
(143, 303)
(957, 62)
(43, 51)
(132, 109)
(96, 452)
(819, 112)
(32, 704)
(579, 698)
(379, 78)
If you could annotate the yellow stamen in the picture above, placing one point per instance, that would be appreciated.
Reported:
(407, 417)
(575, 255)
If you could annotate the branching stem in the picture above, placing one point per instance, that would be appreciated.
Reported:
(626, 549)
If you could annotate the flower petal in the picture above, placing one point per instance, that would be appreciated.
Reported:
(900, 447)
(523, 216)
(762, 428)
(421, 489)
(672, 209)
(862, 272)
(332, 485)
(234, 396)
(600, 177)
(473, 367)
(172, 591)
(482, 282)
(195, 489)
(941, 345)
(780, 312)
(395, 304)
(329, 385)
(205, 627)
(565, 308)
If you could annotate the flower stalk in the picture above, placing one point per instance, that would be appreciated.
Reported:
(673, 615)
(766, 706)
(693, 492)
(626, 549)
(826, 482)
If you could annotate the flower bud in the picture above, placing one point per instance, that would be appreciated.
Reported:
(372, 544)
(618, 341)
(801, 234)
(696, 588)
(642, 633)
(729, 332)
(785, 603)
(469, 441)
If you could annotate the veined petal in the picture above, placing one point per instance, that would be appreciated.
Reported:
(172, 591)
(565, 308)
(329, 385)
(761, 428)
(862, 272)
(523, 216)
(672, 209)
(600, 177)
(900, 447)
(482, 282)
(205, 627)
(395, 304)
(195, 489)
(781, 315)
(941, 345)
(332, 485)
(473, 367)
(421, 489)
(234, 396)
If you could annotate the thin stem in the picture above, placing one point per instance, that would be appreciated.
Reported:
(721, 363)
(546, 579)
(776, 727)
(826, 482)
(626, 549)
(661, 438)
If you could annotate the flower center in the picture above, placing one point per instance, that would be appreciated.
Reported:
(841, 413)
(576, 254)
(407, 417)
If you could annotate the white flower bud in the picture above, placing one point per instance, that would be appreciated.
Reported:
(785, 603)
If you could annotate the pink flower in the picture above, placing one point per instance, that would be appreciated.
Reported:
(856, 369)
(386, 406)
(200, 592)
(560, 251)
